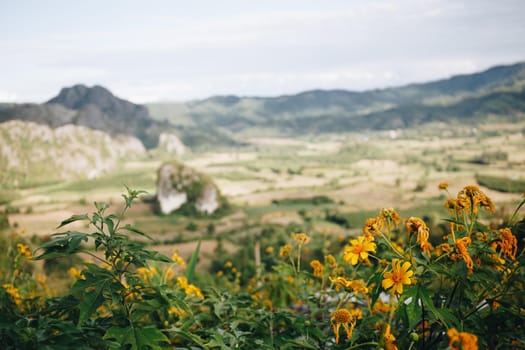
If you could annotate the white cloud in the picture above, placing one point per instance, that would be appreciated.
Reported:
(267, 48)
(7, 96)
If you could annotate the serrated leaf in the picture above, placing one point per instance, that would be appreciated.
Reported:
(189, 336)
(63, 244)
(73, 218)
(92, 300)
(137, 338)
(132, 195)
(101, 207)
(440, 314)
(130, 228)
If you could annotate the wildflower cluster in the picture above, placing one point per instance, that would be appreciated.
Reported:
(394, 285)
(409, 293)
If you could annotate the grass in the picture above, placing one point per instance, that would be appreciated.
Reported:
(415, 155)
(501, 183)
(116, 181)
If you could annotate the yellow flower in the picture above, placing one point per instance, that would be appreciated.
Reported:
(228, 264)
(74, 272)
(24, 250)
(372, 227)
(399, 275)
(389, 216)
(358, 250)
(285, 250)
(443, 185)
(13, 292)
(461, 245)
(443, 248)
(189, 289)
(330, 261)
(345, 318)
(471, 197)
(416, 225)
(358, 286)
(177, 258)
(379, 306)
(452, 206)
(177, 311)
(318, 268)
(302, 238)
(357, 314)
(462, 340)
(508, 243)
(389, 339)
(269, 250)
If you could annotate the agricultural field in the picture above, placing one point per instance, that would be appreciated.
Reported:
(359, 173)
(279, 268)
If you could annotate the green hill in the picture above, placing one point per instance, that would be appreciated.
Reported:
(496, 92)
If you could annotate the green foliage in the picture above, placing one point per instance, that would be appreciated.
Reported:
(283, 290)
(315, 200)
(112, 288)
(4, 221)
(502, 184)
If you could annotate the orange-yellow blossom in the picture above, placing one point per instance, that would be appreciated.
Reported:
(416, 225)
(462, 340)
(389, 339)
(342, 317)
(461, 245)
(358, 250)
(399, 276)
(318, 268)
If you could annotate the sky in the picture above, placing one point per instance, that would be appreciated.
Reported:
(152, 51)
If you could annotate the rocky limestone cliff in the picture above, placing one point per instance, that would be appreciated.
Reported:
(34, 154)
(93, 107)
(171, 143)
(180, 186)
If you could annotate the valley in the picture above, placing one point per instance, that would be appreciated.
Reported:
(274, 182)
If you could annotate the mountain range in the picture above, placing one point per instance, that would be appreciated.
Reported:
(495, 94)
(498, 92)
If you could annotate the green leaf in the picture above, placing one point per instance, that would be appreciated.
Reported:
(131, 196)
(110, 225)
(94, 297)
(442, 314)
(190, 270)
(292, 344)
(376, 291)
(189, 336)
(412, 306)
(73, 218)
(63, 244)
(101, 207)
(130, 228)
(137, 338)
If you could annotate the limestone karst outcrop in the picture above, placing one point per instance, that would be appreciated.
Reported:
(171, 143)
(180, 186)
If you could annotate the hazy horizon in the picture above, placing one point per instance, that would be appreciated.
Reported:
(167, 51)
